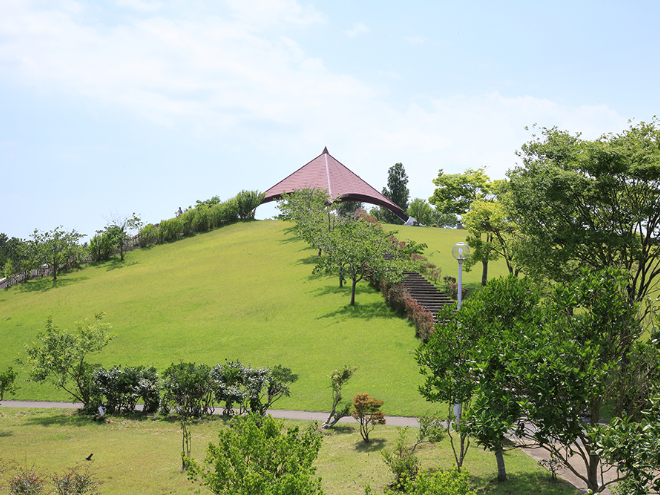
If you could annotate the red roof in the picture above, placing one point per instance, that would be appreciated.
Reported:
(325, 172)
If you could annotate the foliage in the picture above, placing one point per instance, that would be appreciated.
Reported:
(253, 390)
(148, 235)
(120, 227)
(431, 428)
(589, 203)
(452, 482)
(59, 357)
(7, 379)
(57, 248)
(455, 193)
(348, 208)
(26, 482)
(311, 211)
(396, 191)
(207, 203)
(9, 273)
(101, 246)
(256, 457)
(9, 250)
(247, 202)
(359, 248)
(401, 460)
(122, 388)
(74, 482)
(338, 378)
(366, 410)
(420, 210)
(187, 390)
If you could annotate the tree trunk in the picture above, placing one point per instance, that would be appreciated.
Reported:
(592, 473)
(501, 468)
(353, 292)
(484, 273)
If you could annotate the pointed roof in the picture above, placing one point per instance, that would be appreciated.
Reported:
(326, 172)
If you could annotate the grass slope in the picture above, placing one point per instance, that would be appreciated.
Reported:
(241, 292)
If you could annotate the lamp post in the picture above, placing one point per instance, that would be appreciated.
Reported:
(460, 251)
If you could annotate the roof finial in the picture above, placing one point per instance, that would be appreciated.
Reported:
(325, 150)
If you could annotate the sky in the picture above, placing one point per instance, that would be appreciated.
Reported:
(120, 106)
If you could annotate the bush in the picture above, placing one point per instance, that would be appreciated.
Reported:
(101, 246)
(148, 235)
(188, 390)
(26, 482)
(247, 202)
(402, 461)
(123, 388)
(257, 457)
(450, 482)
(74, 482)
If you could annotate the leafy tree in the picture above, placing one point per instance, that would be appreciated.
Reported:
(590, 203)
(207, 203)
(120, 227)
(247, 202)
(420, 210)
(355, 249)
(348, 208)
(256, 457)
(9, 250)
(366, 410)
(9, 273)
(338, 379)
(464, 363)
(57, 247)
(455, 193)
(59, 356)
(7, 385)
(396, 191)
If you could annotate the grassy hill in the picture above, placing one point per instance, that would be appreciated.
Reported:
(243, 292)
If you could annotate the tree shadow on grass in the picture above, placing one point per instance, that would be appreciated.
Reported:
(362, 311)
(117, 263)
(6, 434)
(342, 429)
(374, 445)
(45, 284)
(517, 482)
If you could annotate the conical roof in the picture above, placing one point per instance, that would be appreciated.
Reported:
(326, 172)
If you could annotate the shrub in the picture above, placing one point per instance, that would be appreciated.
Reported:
(123, 388)
(148, 235)
(257, 457)
(74, 482)
(188, 390)
(366, 410)
(450, 482)
(247, 202)
(7, 385)
(101, 246)
(26, 482)
(402, 461)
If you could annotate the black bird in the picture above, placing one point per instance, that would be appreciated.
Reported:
(89, 457)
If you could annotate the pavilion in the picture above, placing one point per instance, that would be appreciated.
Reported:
(326, 172)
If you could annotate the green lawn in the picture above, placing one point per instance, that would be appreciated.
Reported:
(143, 455)
(243, 292)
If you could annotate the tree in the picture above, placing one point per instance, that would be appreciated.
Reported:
(348, 208)
(338, 379)
(56, 247)
(9, 250)
(7, 385)
(59, 356)
(259, 458)
(455, 192)
(120, 227)
(366, 410)
(590, 203)
(355, 249)
(396, 191)
(455, 195)
(420, 210)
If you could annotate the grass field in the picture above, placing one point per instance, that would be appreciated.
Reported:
(243, 292)
(143, 455)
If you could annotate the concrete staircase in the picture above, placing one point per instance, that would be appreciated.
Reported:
(425, 293)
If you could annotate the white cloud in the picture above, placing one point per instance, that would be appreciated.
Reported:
(357, 29)
(415, 40)
(140, 5)
(259, 13)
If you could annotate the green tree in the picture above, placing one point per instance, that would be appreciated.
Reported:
(9, 250)
(7, 379)
(590, 203)
(455, 193)
(57, 248)
(10, 273)
(338, 379)
(355, 249)
(120, 227)
(59, 356)
(257, 457)
(420, 210)
(366, 410)
(396, 191)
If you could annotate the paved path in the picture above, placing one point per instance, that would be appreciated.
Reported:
(536, 454)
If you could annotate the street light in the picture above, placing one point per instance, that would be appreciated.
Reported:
(460, 251)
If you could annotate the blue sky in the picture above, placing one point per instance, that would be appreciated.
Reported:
(143, 106)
